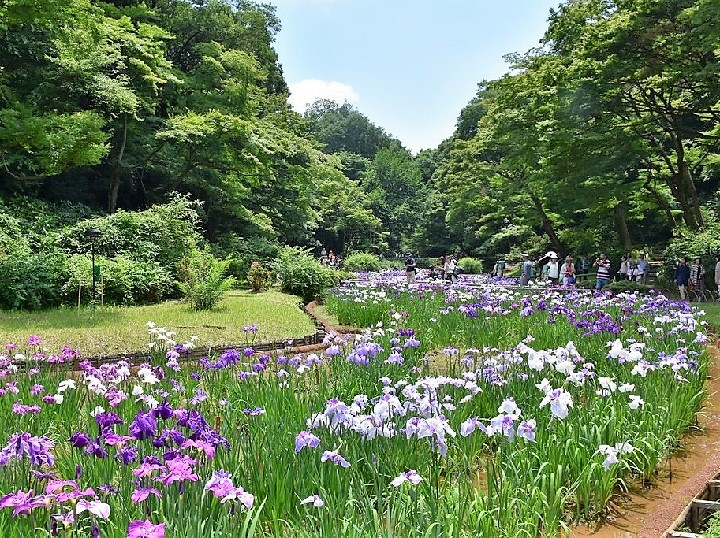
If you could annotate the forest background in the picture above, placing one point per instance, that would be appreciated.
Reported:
(166, 124)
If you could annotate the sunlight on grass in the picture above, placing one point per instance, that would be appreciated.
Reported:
(712, 314)
(111, 330)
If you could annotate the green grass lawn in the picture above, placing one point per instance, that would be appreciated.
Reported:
(111, 330)
(712, 314)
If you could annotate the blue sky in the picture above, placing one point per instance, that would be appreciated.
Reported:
(410, 66)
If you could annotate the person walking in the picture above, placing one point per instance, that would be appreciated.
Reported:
(643, 268)
(697, 275)
(410, 268)
(602, 278)
(682, 278)
(451, 270)
(717, 272)
(526, 271)
(441, 267)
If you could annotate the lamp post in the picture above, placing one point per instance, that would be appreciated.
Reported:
(93, 234)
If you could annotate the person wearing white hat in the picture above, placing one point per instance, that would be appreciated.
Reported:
(553, 268)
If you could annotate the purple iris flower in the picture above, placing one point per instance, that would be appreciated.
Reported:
(306, 439)
(79, 439)
(36, 448)
(127, 454)
(143, 426)
(163, 411)
(96, 449)
(107, 420)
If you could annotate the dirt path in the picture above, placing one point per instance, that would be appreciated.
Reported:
(648, 513)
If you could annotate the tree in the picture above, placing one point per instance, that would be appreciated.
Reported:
(652, 72)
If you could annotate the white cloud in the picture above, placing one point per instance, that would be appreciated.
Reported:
(306, 92)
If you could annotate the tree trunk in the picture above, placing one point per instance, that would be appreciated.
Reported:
(115, 179)
(662, 203)
(688, 185)
(685, 186)
(547, 225)
(621, 226)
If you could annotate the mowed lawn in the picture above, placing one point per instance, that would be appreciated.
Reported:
(112, 330)
(712, 315)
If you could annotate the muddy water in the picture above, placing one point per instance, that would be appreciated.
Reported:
(647, 511)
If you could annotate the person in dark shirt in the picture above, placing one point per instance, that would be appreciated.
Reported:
(682, 277)
(410, 269)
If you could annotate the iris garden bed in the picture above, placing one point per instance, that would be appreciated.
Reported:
(461, 411)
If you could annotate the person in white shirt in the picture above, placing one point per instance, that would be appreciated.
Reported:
(624, 271)
(717, 272)
(553, 269)
(451, 269)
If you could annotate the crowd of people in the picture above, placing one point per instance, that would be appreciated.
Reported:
(446, 269)
(329, 258)
(690, 277)
(687, 276)
(565, 273)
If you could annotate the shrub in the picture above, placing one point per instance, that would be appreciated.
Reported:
(300, 274)
(163, 234)
(628, 285)
(361, 261)
(420, 263)
(471, 266)
(38, 220)
(32, 282)
(241, 252)
(258, 277)
(121, 281)
(13, 240)
(132, 282)
(203, 279)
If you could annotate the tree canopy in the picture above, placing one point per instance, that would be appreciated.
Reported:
(607, 135)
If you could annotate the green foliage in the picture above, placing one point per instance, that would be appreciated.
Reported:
(341, 128)
(420, 263)
(163, 234)
(131, 282)
(361, 261)
(471, 266)
(704, 244)
(203, 279)
(13, 239)
(628, 286)
(241, 252)
(119, 281)
(301, 274)
(31, 282)
(33, 224)
(713, 526)
(258, 277)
